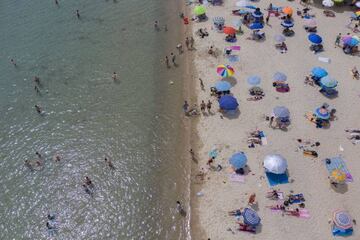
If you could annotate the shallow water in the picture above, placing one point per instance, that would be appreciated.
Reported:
(134, 121)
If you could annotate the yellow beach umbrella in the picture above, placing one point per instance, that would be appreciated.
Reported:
(199, 10)
(338, 1)
(338, 176)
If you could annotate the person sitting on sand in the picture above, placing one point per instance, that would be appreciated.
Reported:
(252, 199)
(355, 73)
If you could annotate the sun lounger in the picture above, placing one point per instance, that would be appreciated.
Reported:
(276, 179)
(338, 163)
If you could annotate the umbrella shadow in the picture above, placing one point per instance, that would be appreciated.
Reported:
(231, 80)
(340, 188)
(258, 228)
(233, 114)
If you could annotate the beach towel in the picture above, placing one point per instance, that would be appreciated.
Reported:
(297, 198)
(276, 179)
(338, 163)
(233, 58)
(304, 213)
(233, 177)
(324, 59)
(341, 232)
(235, 48)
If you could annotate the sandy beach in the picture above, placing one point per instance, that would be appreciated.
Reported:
(228, 135)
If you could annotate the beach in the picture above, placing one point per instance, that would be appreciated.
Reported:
(214, 196)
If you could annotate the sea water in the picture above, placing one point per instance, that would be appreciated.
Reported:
(133, 121)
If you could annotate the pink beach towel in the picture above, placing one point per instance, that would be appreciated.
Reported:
(233, 177)
(235, 48)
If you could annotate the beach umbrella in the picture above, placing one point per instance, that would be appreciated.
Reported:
(251, 217)
(287, 10)
(229, 30)
(357, 13)
(279, 77)
(225, 71)
(254, 80)
(219, 20)
(287, 23)
(275, 163)
(222, 86)
(352, 41)
(281, 112)
(346, 38)
(279, 38)
(338, 176)
(199, 10)
(357, 4)
(228, 102)
(327, 3)
(356, 37)
(242, 3)
(319, 72)
(256, 26)
(257, 13)
(328, 82)
(237, 23)
(314, 38)
(342, 219)
(310, 22)
(238, 160)
(322, 113)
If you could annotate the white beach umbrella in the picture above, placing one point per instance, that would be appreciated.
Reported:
(275, 163)
(327, 3)
(357, 4)
(242, 3)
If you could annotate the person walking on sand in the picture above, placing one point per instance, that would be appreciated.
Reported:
(173, 58)
(167, 62)
(186, 107)
(36, 88)
(192, 41)
(179, 48)
(187, 43)
(337, 40)
(202, 106)
(209, 106)
(77, 14)
(252, 198)
(202, 84)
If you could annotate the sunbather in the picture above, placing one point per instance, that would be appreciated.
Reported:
(355, 73)
(295, 213)
(273, 195)
(309, 81)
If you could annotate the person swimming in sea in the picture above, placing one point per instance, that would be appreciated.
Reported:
(38, 109)
(109, 163)
(28, 164)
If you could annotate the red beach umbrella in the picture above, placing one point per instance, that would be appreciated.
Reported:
(229, 30)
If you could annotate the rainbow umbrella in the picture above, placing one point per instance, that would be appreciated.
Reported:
(342, 219)
(225, 70)
(199, 10)
(338, 176)
(357, 13)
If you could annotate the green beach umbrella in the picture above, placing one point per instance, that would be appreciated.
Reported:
(199, 10)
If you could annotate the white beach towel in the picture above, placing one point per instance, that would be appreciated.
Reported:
(324, 59)
(233, 177)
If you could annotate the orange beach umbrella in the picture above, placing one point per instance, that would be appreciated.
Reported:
(229, 30)
(287, 10)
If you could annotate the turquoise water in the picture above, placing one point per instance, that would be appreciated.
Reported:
(134, 121)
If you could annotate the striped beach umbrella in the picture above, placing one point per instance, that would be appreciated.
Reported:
(219, 20)
(225, 70)
(251, 217)
(238, 160)
(322, 113)
(256, 26)
(328, 82)
(287, 23)
(342, 219)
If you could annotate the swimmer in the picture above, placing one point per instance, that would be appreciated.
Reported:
(180, 209)
(28, 165)
(56, 2)
(77, 14)
(156, 25)
(165, 28)
(37, 80)
(114, 76)
(37, 89)
(87, 190)
(38, 163)
(38, 109)
(13, 62)
(109, 163)
(88, 182)
(38, 154)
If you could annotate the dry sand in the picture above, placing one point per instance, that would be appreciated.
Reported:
(309, 175)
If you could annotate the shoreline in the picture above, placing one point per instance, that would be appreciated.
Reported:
(209, 212)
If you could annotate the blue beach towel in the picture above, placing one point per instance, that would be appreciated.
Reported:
(338, 163)
(340, 232)
(276, 179)
(233, 58)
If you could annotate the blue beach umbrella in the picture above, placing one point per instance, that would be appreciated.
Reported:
(279, 77)
(238, 160)
(314, 38)
(222, 86)
(251, 217)
(328, 82)
(281, 112)
(322, 113)
(351, 42)
(319, 72)
(254, 80)
(256, 26)
(228, 102)
(287, 24)
(342, 219)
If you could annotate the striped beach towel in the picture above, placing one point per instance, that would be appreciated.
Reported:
(338, 163)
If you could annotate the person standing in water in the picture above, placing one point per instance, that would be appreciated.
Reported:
(13, 62)
(28, 165)
(38, 109)
(77, 14)
(202, 84)
(167, 62)
(114, 76)
(56, 2)
(109, 163)
(173, 58)
(180, 209)
(187, 43)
